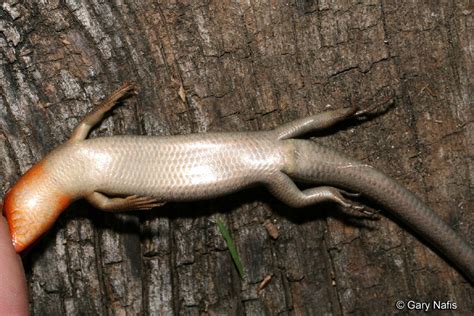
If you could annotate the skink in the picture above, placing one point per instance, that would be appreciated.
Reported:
(140, 172)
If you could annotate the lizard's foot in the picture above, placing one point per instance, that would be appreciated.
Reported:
(128, 88)
(360, 113)
(141, 203)
(372, 214)
(132, 202)
(97, 114)
(340, 197)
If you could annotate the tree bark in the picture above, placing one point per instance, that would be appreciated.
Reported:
(241, 66)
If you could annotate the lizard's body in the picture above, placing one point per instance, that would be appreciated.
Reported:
(150, 170)
(178, 168)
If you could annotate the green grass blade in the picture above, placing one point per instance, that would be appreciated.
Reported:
(230, 244)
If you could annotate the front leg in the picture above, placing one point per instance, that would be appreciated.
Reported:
(129, 203)
(97, 114)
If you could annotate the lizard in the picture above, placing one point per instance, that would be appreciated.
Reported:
(143, 172)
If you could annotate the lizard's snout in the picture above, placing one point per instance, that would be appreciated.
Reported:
(31, 207)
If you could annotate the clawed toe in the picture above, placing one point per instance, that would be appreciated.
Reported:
(140, 203)
(339, 196)
(360, 113)
(373, 214)
(131, 88)
(358, 207)
(350, 194)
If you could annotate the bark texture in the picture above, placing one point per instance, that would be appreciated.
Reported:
(235, 66)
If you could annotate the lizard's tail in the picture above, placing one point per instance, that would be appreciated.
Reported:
(315, 163)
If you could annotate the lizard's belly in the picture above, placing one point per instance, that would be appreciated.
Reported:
(180, 180)
(184, 168)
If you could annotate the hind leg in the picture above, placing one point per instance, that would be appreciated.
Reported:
(322, 120)
(283, 188)
(313, 123)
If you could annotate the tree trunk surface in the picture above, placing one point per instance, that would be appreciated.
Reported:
(244, 66)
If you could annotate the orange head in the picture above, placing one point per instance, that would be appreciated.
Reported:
(32, 205)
